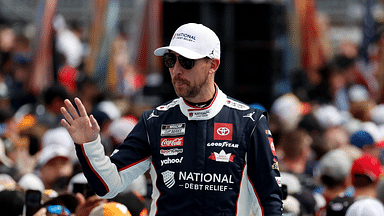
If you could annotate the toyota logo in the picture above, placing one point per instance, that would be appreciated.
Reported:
(223, 131)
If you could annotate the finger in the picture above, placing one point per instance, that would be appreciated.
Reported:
(72, 110)
(80, 106)
(65, 124)
(95, 199)
(80, 198)
(94, 123)
(66, 115)
(41, 212)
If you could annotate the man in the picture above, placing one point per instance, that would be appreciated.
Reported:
(366, 173)
(334, 174)
(208, 154)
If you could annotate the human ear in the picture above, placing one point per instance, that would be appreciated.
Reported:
(214, 65)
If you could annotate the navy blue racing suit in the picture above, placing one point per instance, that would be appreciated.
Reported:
(217, 160)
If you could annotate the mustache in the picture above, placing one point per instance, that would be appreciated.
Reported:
(177, 79)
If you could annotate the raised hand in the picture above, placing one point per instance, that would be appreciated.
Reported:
(82, 128)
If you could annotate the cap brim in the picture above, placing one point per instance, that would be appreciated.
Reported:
(180, 50)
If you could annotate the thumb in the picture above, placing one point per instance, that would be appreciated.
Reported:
(94, 123)
(80, 197)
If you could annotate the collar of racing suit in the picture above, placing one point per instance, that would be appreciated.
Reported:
(196, 113)
(205, 113)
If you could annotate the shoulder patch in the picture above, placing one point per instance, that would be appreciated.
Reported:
(168, 106)
(236, 105)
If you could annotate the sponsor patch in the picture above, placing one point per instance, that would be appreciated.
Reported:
(275, 166)
(168, 106)
(199, 113)
(171, 142)
(278, 180)
(171, 152)
(223, 131)
(171, 161)
(205, 181)
(272, 146)
(222, 156)
(172, 129)
(236, 105)
(168, 178)
(223, 144)
(268, 132)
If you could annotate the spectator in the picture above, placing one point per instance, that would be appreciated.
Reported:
(63, 204)
(299, 201)
(308, 203)
(366, 172)
(294, 153)
(120, 128)
(339, 206)
(7, 182)
(6, 164)
(366, 207)
(134, 201)
(53, 98)
(59, 136)
(88, 89)
(368, 139)
(31, 181)
(110, 209)
(86, 197)
(54, 168)
(361, 103)
(380, 191)
(331, 119)
(335, 169)
(288, 111)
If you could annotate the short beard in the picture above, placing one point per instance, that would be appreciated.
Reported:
(192, 91)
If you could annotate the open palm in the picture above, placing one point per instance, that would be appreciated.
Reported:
(81, 127)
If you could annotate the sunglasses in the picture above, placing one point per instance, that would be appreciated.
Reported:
(170, 61)
(57, 209)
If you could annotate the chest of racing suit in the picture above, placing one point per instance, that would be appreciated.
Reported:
(218, 160)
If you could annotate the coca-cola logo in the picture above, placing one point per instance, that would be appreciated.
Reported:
(171, 142)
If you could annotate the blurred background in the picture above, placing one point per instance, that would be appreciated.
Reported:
(262, 41)
(316, 66)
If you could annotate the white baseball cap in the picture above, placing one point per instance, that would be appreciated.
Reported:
(52, 151)
(193, 41)
(366, 207)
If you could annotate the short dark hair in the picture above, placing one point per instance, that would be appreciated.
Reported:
(53, 92)
(331, 182)
(361, 180)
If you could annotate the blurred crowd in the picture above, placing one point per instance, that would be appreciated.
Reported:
(37, 156)
(328, 134)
